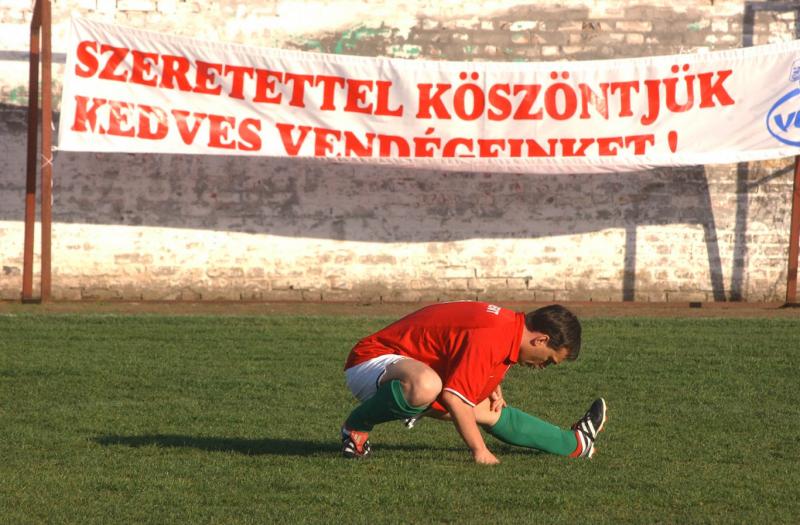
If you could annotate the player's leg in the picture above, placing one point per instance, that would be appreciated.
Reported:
(516, 427)
(421, 385)
(405, 388)
(389, 388)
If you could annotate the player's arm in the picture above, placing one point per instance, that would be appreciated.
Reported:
(464, 419)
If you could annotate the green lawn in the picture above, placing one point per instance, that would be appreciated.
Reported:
(153, 419)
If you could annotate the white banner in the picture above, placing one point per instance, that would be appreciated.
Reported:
(128, 90)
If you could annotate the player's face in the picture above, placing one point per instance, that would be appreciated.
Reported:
(539, 355)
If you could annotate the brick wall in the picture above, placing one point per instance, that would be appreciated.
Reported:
(178, 227)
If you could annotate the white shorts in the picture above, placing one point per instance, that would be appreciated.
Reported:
(363, 379)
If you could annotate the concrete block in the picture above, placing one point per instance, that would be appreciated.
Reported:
(677, 297)
(100, 294)
(136, 5)
(519, 283)
(399, 296)
(168, 7)
(221, 294)
(167, 293)
(454, 295)
(63, 293)
(634, 38)
(524, 25)
(633, 26)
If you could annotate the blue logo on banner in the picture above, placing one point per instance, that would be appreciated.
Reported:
(794, 76)
(783, 119)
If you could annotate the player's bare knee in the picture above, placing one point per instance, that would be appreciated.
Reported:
(425, 388)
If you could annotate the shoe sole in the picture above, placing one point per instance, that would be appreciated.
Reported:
(356, 457)
(602, 426)
(605, 416)
(351, 452)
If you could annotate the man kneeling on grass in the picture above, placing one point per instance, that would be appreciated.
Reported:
(447, 361)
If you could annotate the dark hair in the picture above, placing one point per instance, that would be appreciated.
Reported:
(560, 325)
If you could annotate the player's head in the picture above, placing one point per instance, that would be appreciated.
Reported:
(560, 325)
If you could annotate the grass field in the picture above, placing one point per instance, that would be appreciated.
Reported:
(211, 419)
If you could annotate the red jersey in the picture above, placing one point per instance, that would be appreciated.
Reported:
(471, 345)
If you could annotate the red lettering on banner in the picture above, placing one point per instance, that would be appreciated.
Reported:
(291, 146)
(206, 80)
(86, 59)
(298, 88)
(653, 102)
(382, 105)
(355, 148)
(387, 144)
(490, 148)
(474, 109)
(176, 68)
(425, 147)
(640, 143)
(536, 150)
(498, 100)
(452, 147)
(140, 121)
(609, 146)
(357, 96)
(671, 86)
(125, 119)
(84, 114)
(116, 57)
(551, 96)
(218, 136)
(526, 103)
(428, 101)
(568, 146)
(588, 96)
(142, 72)
(365, 96)
(334, 143)
(148, 114)
(118, 120)
(470, 97)
(515, 148)
(322, 141)
(709, 90)
(249, 133)
(625, 89)
(266, 86)
(237, 84)
(181, 119)
(329, 85)
(560, 99)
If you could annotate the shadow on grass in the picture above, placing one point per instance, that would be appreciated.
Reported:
(249, 447)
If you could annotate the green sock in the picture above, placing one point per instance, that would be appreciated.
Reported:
(387, 404)
(515, 427)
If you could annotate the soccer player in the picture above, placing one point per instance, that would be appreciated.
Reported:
(447, 361)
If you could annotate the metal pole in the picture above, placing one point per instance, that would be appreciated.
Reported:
(30, 180)
(794, 238)
(47, 150)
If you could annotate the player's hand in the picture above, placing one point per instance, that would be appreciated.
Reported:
(484, 457)
(496, 400)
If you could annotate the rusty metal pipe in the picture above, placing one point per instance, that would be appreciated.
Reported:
(30, 176)
(794, 238)
(47, 151)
